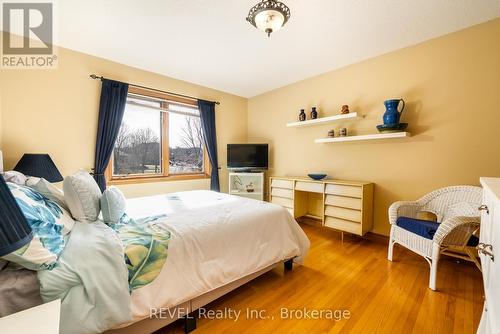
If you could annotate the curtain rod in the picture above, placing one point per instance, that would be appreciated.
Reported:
(95, 77)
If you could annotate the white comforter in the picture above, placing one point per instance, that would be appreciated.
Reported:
(216, 239)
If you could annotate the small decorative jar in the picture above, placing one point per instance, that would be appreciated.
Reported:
(302, 115)
(250, 187)
(331, 133)
(345, 109)
(314, 113)
(343, 132)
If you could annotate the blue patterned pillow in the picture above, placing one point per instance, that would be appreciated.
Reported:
(49, 222)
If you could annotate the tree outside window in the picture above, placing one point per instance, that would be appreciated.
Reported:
(154, 130)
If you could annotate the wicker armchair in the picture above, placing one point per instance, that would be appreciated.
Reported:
(456, 209)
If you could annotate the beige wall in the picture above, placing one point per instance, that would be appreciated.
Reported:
(451, 85)
(55, 111)
(452, 88)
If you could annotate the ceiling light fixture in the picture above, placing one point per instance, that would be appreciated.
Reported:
(269, 16)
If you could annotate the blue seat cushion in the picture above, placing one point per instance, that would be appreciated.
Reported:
(424, 228)
(427, 228)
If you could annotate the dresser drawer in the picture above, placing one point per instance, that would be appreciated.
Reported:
(345, 202)
(351, 191)
(280, 192)
(286, 202)
(334, 211)
(343, 225)
(278, 183)
(309, 186)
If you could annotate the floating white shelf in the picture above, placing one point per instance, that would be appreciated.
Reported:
(321, 120)
(364, 137)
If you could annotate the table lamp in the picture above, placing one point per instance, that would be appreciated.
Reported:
(39, 165)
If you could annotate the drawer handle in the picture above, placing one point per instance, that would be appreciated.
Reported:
(484, 208)
(486, 249)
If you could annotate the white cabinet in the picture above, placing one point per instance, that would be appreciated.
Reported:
(250, 185)
(489, 242)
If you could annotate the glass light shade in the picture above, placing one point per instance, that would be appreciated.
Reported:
(269, 20)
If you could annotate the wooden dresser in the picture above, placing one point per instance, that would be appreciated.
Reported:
(346, 206)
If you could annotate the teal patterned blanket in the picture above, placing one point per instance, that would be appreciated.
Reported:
(145, 242)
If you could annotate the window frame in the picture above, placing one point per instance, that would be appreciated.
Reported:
(165, 149)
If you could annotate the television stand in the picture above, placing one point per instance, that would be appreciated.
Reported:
(248, 184)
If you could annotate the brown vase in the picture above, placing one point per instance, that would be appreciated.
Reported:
(302, 115)
(314, 113)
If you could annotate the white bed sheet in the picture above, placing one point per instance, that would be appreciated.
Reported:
(216, 239)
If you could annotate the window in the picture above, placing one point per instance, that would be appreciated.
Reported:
(160, 138)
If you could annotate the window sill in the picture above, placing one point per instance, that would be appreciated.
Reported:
(152, 179)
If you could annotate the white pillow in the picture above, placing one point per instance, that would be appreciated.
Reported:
(48, 190)
(14, 177)
(113, 205)
(82, 195)
(32, 180)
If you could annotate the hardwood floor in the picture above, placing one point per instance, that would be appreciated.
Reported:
(382, 297)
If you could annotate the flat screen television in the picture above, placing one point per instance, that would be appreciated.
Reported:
(247, 156)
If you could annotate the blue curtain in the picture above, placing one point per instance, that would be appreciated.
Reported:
(207, 115)
(111, 109)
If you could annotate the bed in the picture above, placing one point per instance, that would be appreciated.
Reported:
(216, 243)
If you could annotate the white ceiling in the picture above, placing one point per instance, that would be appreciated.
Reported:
(211, 44)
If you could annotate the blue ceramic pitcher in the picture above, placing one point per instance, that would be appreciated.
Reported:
(392, 115)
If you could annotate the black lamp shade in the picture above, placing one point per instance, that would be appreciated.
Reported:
(14, 229)
(39, 165)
